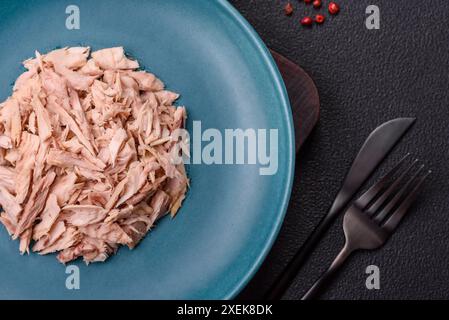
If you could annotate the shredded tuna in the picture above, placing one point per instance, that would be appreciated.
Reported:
(5, 142)
(48, 217)
(113, 58)
(25, 165)
(7, 176)
(10, 205)
(35, 204)
(86, 154)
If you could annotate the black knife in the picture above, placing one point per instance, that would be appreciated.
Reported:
(376, 147)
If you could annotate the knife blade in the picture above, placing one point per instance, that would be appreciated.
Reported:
(376, 147)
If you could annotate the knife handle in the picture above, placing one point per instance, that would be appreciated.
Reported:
(286, 277)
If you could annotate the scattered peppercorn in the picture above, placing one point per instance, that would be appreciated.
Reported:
(306, 21)
(288, 9)
(319, 18)
(333, 8)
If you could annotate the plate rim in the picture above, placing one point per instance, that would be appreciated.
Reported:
(286, 109)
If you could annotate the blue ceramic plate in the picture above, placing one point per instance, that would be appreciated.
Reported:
(207, 52)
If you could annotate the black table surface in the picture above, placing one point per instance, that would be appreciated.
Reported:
(364, 78)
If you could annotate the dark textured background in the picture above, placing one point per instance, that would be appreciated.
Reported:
(364, 78)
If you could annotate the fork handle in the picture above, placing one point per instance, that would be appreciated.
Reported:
(325, 278)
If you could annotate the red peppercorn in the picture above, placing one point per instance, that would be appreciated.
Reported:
(333, 8)
(319, 18)
(306, 21)
(307, 1)
(288, 9)
(317, 4)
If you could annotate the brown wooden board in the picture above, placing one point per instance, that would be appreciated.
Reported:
(303, 95)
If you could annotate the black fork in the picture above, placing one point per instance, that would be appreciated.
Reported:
(372, 218)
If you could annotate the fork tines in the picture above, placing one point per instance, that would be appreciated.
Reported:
(388, 200)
